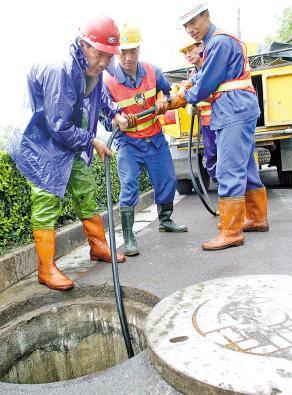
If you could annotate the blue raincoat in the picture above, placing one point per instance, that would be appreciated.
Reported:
(44, 149)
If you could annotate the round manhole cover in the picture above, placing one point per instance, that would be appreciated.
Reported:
(230, 335)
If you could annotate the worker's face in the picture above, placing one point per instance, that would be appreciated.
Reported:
(198, 27)
(129, 59)
(192, 55)
(97, 60)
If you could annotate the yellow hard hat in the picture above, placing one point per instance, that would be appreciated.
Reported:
(188, 42)
(130, 36)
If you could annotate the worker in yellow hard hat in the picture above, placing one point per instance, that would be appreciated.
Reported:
(136, 86)
(191, 51)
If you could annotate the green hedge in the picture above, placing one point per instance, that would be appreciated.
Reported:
(15, 203)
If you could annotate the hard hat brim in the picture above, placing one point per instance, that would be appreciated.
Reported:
(191, 14)
(130, 45)
(111, 49)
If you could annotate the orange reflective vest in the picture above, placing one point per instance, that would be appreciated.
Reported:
(205, 112)
(134, 100)
(243, 82)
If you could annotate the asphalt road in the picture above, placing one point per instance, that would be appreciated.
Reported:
(171, 261)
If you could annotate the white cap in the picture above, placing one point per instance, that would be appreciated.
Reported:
(189, 14)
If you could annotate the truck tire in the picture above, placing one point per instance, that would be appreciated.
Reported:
(184, 187)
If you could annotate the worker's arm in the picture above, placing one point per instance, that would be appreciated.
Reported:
(213, 71)
(162, 92)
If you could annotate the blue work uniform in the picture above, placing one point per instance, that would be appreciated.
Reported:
(234, 115)
(152, 153)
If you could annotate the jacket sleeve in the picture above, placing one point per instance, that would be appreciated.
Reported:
(161, 82)
(212, 73)
(60, 97)
(108, 106)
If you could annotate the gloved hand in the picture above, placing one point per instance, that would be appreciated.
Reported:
(132, 121)
(177, 101)
(161, 103)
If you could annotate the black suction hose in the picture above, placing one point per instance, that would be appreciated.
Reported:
(204, 197)
(115, 270)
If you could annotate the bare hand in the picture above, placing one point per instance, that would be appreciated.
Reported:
(121, 121)
(101, 149)
(161, 104)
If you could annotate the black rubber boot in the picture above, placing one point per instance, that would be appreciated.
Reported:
(165, 223)
(127, 219)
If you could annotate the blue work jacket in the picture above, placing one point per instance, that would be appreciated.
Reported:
(44, 149)
(161, 84)
(224, 61)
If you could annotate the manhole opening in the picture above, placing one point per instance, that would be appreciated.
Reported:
(68, 340)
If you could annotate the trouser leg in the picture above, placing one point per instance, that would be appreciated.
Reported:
(159, 165)
(210, 150)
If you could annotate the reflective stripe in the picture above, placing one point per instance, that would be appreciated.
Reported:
(131, 101)
(234, 85)
(142, 126)
(204, 107)
(203, 103)
(206, 112)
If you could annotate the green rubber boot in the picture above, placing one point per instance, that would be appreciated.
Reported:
(165, 223)
(127, 219)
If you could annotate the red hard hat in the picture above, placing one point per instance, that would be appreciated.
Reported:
(102, 33)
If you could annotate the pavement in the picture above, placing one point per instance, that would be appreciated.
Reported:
(169, 262)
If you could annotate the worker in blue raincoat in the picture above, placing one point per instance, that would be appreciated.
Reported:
(225, 81)
(56, 146)
(137, 86)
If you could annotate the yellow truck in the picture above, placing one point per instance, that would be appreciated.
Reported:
(272, 78)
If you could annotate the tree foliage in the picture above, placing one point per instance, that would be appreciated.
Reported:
(284, 32)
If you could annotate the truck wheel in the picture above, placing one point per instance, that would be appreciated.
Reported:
(184, 187)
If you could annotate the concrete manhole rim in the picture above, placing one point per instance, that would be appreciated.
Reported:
(240, 366)
(136, 299)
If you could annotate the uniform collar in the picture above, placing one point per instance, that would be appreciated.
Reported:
(121, 75)
(208, 36)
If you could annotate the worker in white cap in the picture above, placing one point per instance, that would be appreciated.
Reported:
(225, 81)
(136, 86)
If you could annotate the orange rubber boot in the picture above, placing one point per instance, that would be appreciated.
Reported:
(256, 211)
(48, 273)
(232, 213)
(99, 249)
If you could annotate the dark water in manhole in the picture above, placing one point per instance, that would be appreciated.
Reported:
(66, 341)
